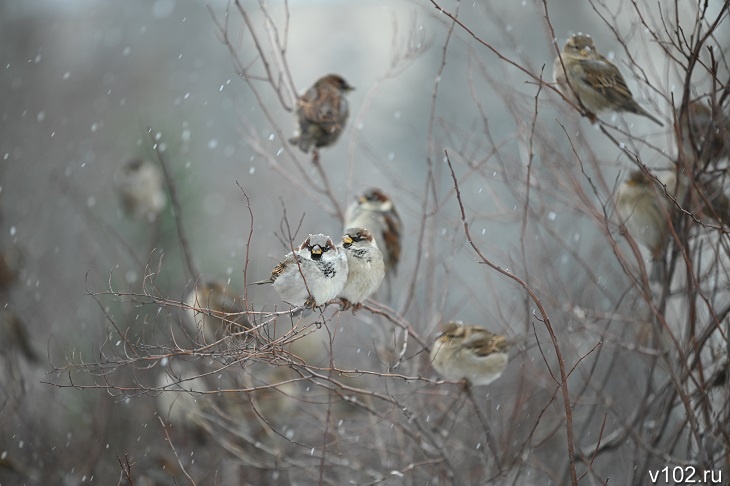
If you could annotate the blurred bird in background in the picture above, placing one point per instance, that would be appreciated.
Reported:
(645, 210)
(375, 212)
(210, 305)
(141, 188)
(704, 133)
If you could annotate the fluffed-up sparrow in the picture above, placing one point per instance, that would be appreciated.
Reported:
(323, 266)
(322, 113)
(644, 209)
(596, 81)
(365, 267)
(214, 310)
(471, 353)
(375, 212)
(141, 188)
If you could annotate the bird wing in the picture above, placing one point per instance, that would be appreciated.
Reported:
(604, 77)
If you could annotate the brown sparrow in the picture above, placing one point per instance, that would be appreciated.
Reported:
(13, 336)
(375, 212)
(643, 207)
(471, 353)
(210, 306)
(322, 112)
(141, 188)
(594, 79)
(705, 134)
(365, 267)
(323, 266)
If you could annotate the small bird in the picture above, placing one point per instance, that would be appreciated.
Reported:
(322, 113)
(212, 307)
(365, 267)
(596, 81)
(323, 266)
(375, 212)
(643, 208)
(704, 133)
(140, 185)
(14, 337)
(471, 353)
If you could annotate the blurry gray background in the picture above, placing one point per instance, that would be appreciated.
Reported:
(82, 81)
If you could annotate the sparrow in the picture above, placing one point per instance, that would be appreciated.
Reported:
(643, 207)
(323, 266)
(366, 268)
(322, 113)
(471, 353)
(212, 307)
(375, 212)
(704, 133)
(13, 336)
(140, 185)
(594, 79)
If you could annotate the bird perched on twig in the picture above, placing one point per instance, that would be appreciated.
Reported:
(375, 212)
(365, 267)
(323, 266)
(471, 353)
(645, 210)
(210, 307)
(322, 113)
(141, 189)
(595, 80)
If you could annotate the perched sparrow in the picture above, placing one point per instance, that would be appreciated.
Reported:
(365, 266)
(322, 113)
(375, 212)
(323, 266)
(643, 208)
(13, 336)
(141, 189)
(210, 305)
(594, 79)
(469, 352)
(705, 134)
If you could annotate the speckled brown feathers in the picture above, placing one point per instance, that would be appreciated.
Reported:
(596, 81)
(322, 113)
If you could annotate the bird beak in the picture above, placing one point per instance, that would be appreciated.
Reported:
(362, 199)
(346, 240)
(316, 250)
(586, 50)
